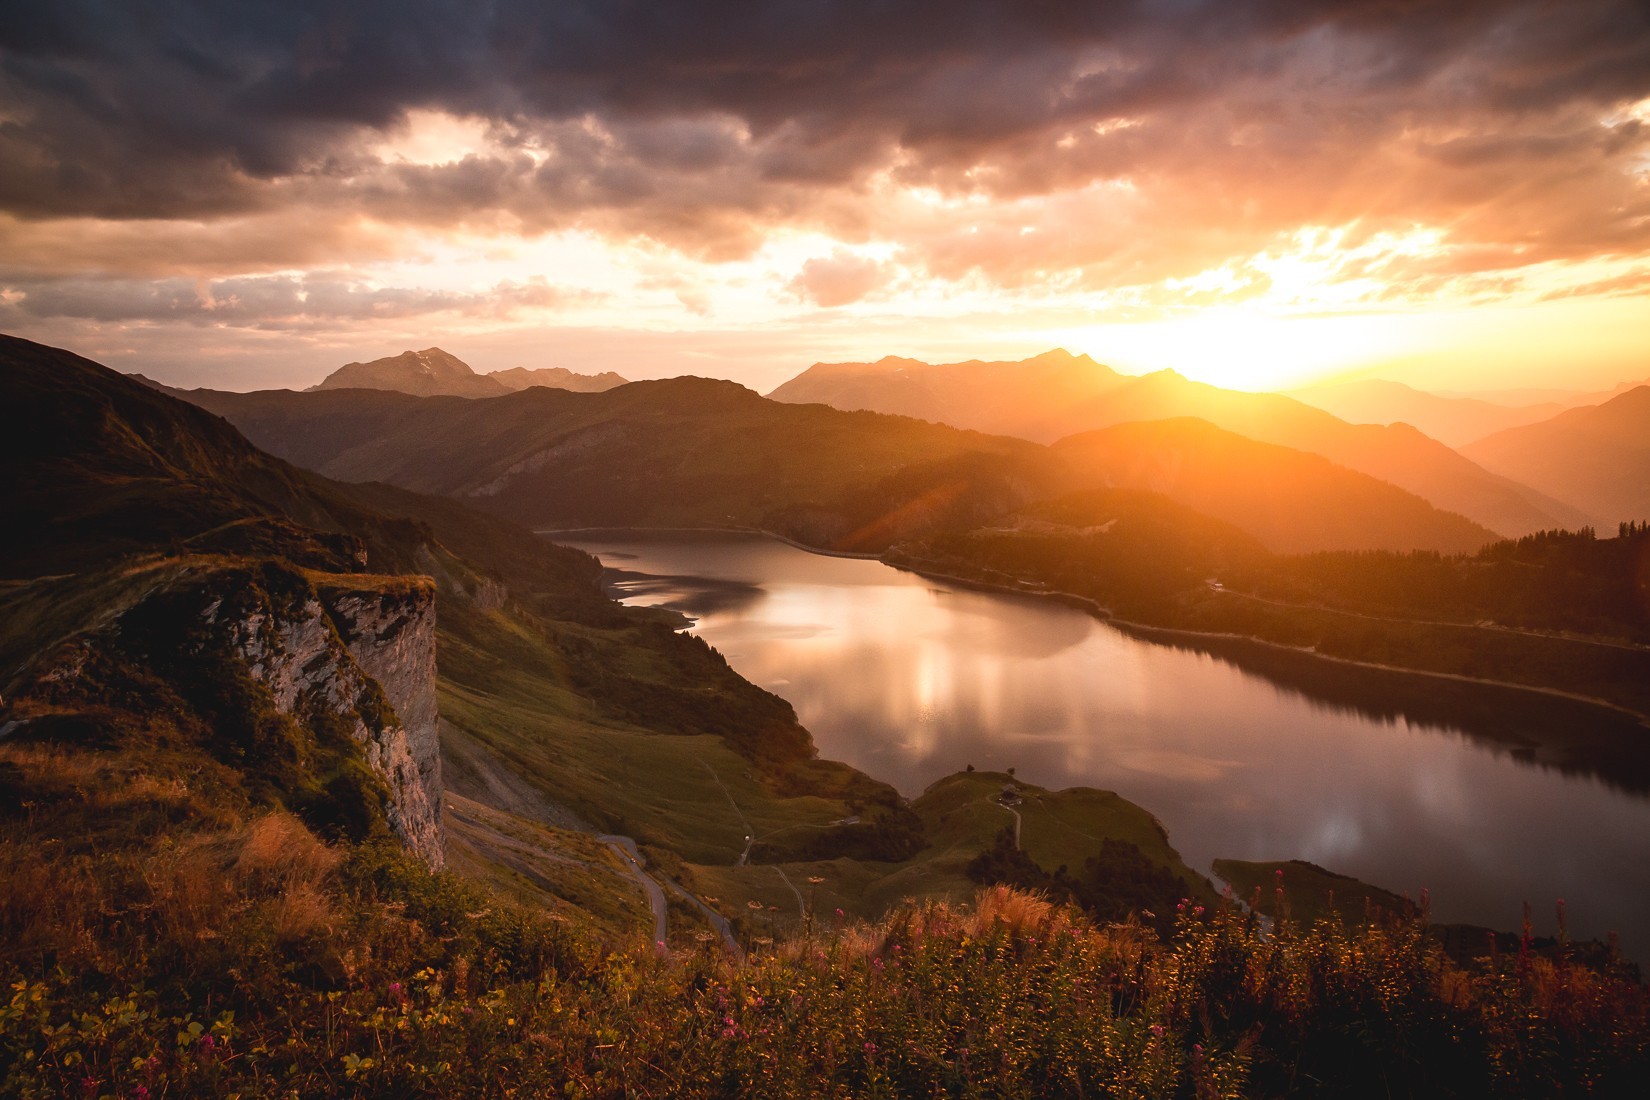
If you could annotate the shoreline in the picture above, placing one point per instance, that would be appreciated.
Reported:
(550, 532)
(1105, 614)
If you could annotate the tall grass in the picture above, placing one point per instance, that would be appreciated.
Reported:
(255, 960)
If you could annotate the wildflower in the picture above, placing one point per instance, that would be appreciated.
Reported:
(1157, 1031)
(840, 914)
(870, 1047)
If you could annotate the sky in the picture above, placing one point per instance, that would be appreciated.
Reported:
(1256, 193)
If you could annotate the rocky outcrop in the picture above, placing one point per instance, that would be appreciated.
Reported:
(345, 652)
(296, 678)
(391, 636)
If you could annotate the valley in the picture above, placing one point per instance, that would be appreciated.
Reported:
(370, 712)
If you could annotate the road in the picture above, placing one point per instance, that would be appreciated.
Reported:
(626, 847)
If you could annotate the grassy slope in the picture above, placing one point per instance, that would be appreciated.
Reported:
(961, 818)
(684, 451)
(1293, 501)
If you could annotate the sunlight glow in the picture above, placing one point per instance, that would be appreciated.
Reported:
(435, 137)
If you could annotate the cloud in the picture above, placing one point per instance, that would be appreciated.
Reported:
(839, 279)
(1070, 145)
(317, 300)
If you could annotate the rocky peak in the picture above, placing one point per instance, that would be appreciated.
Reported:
(428, 373)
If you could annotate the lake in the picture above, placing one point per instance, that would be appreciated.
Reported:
(909, 679)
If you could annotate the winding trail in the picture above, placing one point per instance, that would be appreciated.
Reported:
(627, 850)
(801, 905)
(1016, 814)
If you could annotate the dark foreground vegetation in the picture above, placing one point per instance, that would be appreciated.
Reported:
(210, 951)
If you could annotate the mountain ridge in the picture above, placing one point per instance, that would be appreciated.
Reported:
(434, 372)
(1596, 455)
(1098, 398)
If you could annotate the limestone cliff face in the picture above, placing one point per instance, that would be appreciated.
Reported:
(277, 671)
(344, 652)
(391, 637)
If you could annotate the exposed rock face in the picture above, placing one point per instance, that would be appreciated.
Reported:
(346, 657)
(392, 639)
(277, 671)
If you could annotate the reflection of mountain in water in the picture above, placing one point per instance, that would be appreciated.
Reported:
(1533, 727)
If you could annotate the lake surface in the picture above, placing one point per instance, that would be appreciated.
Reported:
(909, 680)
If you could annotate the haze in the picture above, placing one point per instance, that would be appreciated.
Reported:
(1257, 194)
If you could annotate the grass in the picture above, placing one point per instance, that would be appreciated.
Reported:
(961, 818)
(1313, 893)
(509, 690)
(569, 874)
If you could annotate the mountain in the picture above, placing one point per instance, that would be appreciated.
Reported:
(1292, 501)
(558, 378)
(1596, 458)
(174, 594)
(695, 452)
(433, 372)
(174, 590)
(1451, 420)
(1032, 399)
(427, 372)
(671, 452)
(1004, 398)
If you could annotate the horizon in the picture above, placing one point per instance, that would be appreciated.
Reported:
(1511, 397)
(1254, 196)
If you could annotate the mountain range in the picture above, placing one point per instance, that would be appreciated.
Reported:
(435, 372)
(1454, 421)
(699, 452)
(1292, 501)
(1597, 456)
(1058, 394)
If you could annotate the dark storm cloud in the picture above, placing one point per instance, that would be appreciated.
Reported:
(702, 124)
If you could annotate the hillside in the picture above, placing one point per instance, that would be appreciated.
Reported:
(676, 452)
(1596, 458)
(693, 452)
(219, 844)
(1453, 421)
(1290, 500)
(139, 508)
(1017, 403)
(1004, 398)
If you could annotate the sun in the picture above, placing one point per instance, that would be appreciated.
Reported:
(1242, 348)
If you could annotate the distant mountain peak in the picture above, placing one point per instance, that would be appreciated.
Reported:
(434, 372)
(426, 373)
(1061, 355)
(558, 378)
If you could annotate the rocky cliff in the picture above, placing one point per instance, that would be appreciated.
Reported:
(391, 637)
(319, 688)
